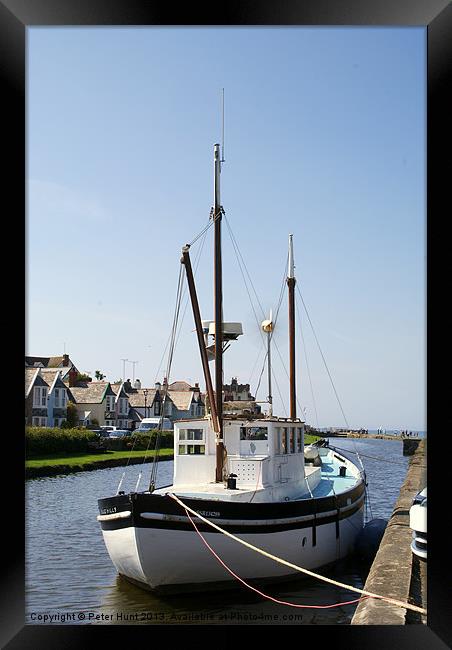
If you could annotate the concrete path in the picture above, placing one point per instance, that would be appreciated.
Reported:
(391, 572)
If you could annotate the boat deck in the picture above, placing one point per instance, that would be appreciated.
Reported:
(331, 483)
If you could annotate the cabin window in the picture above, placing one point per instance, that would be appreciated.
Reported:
(284, 440)
(191, 434)
(192, 450)
(292, 440)
(196, 437)
(299, 439)
(253, 433)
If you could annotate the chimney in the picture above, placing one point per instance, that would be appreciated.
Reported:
(65, 360)
(72, 377)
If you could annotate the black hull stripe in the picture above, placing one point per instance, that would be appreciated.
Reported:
(162, 504)
(139, 522)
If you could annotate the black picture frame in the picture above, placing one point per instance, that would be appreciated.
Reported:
(436, 17)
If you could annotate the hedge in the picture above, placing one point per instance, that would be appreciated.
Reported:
(40, 441)
(141, 440)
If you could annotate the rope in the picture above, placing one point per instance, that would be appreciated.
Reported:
(383, 460)
(261, 593)
(398, 603)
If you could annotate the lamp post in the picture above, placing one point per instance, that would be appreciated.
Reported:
(145, 393)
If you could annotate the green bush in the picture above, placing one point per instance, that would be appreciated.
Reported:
(40, 441)
(147, 440)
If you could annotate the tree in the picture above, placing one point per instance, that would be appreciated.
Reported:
(71, 415)
(99, 376)
(82, 376)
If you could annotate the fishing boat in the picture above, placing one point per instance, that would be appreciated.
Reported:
(245, 472)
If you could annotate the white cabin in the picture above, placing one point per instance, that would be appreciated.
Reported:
(266, 455)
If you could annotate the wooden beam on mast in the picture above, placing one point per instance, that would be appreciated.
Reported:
(198, 324)
(218, 309)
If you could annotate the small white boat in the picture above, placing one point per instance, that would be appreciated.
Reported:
(249, 474)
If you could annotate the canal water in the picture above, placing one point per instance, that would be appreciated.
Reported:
(70, 577)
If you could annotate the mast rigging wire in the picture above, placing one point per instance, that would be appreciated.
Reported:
(322, 355)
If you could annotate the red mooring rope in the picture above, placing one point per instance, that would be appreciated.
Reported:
(261, 593)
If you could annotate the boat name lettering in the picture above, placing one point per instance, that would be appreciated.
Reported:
(108, 511)
(208, 513)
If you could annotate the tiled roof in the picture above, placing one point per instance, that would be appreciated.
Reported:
(48, 374)
(136, 397)
(179, 386)
(117, 390)
(36, 361)
(181, 399)
(90, 393)
(29, 376)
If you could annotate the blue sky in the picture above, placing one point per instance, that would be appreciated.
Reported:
(324, 138)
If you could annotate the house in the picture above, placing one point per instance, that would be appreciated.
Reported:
(46, 397)
(121, 406)
(100, 402)
(63, 362)
(238, 400)
(235, 392)
(183, 401)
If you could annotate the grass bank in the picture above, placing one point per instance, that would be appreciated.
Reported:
(67, 463)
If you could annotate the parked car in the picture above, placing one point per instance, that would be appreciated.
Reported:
(147, 424)
(418, 524)
(119, 433)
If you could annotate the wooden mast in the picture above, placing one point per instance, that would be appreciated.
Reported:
(218, 308)
(291, 284)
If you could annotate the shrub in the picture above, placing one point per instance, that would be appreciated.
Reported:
(71, 415)
(147, 440)
(40, 441)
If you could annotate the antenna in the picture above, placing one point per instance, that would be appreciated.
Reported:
(133, 371)
(222, 128)
(123, 368)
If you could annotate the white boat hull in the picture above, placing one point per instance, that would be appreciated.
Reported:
(169, 560)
